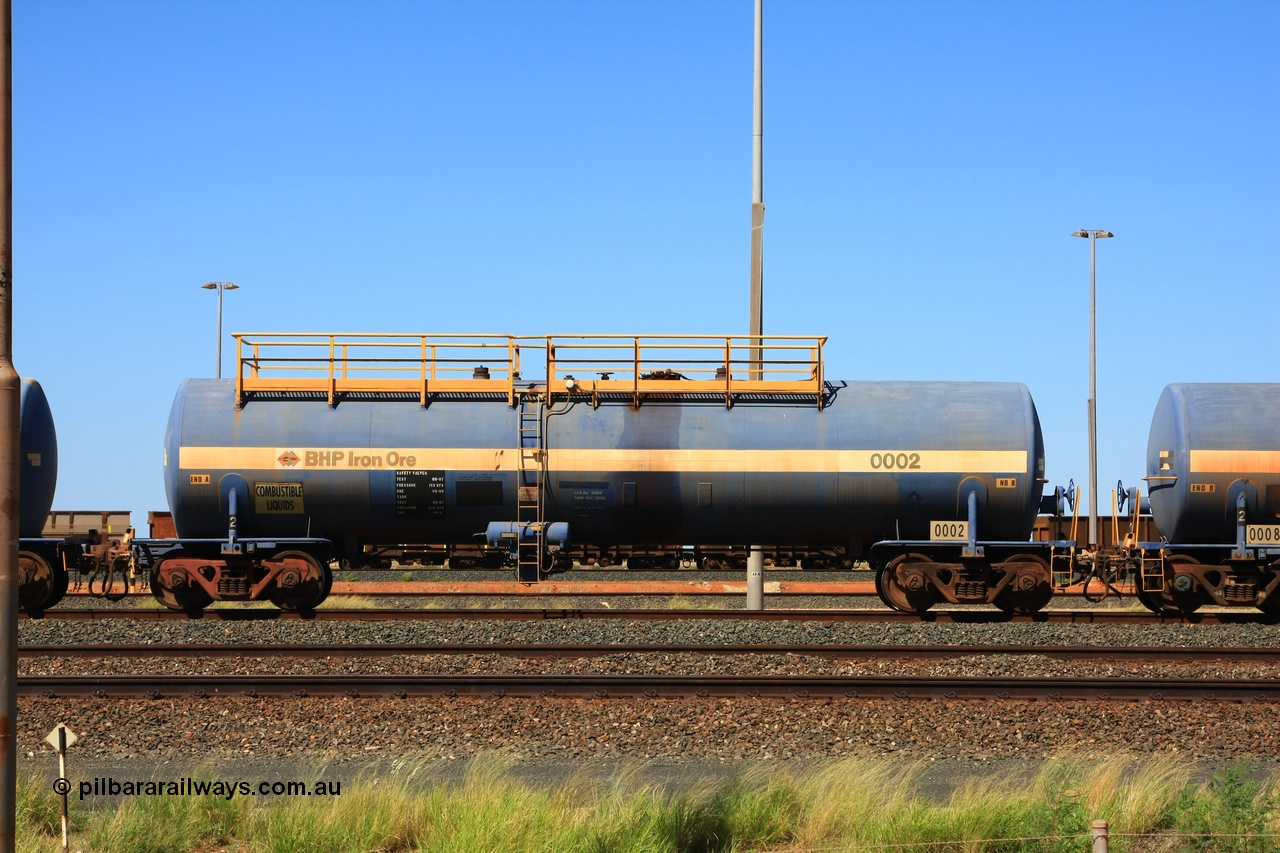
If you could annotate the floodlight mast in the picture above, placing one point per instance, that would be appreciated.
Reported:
(1094, 235)
(755, 555)
(220, 286)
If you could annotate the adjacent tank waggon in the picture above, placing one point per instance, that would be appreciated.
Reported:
(1213, 474)
(536, 452)
(42, 562)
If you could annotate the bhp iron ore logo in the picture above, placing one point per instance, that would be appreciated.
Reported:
(288, 459)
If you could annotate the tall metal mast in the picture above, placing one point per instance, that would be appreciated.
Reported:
(755, 557)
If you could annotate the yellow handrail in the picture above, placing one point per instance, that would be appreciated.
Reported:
(425, 364)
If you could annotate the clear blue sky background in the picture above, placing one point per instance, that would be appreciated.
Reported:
(577, 167)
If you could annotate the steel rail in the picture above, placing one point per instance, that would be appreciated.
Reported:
(645, 686)
(632, 587)
(1128, 654)
(973, 617)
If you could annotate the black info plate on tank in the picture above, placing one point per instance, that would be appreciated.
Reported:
(419, 494)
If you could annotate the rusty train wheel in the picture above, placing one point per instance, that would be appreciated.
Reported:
(1149, 600)
(1028, 592)
(302, 584)
(896, 594)
(171, 587)
(37, 582)
(1170, 599)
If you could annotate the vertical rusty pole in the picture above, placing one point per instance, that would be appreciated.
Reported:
(9, 396)
(755, 557)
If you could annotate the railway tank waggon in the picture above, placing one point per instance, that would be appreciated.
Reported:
(42, 562)
(1213, 474)
(542, 451)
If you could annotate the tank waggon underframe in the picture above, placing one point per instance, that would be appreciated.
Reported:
(188, 574)
(1017, 577)
(1183, 578)
(914, 576)
(104, 563)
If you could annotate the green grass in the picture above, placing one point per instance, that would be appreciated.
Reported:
(851, 804)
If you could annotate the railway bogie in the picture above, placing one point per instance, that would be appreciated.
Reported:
(188, 575)
(918, 575)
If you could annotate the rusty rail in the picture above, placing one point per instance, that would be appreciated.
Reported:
(645, 686)
(972, 617)
(1126, 654)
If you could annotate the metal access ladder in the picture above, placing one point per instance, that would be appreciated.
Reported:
(531, 457)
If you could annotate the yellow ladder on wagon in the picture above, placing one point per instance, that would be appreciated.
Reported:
(529, 508)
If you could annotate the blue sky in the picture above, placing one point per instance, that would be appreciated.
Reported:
(585, 167)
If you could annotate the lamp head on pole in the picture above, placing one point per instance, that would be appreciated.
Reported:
(1096, 233)
(220, 285)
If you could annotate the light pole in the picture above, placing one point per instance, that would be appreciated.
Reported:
(1094, 234)
(220, 286)
(755, 556)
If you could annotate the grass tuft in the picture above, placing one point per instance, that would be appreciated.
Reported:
(349, 602)
(163, 824)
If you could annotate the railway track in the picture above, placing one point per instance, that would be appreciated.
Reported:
(630, 587)
(977, 616)
(618, 686)
(1125, 654)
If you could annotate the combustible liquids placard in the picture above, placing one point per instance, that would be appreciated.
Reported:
(278, 499)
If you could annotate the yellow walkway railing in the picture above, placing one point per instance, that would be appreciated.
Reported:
(594, 366)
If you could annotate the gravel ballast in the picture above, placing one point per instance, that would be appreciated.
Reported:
(709, 731)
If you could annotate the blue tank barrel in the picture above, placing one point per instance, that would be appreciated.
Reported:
(879, 461)
(1210, 446)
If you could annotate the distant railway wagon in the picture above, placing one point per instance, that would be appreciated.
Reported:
(61, 523)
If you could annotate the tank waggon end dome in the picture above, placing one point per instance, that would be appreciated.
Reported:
(1213, 475)
(538, 452)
